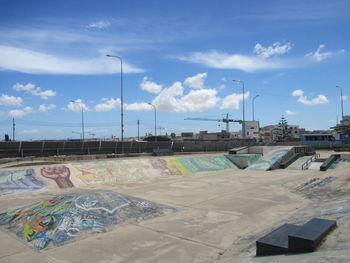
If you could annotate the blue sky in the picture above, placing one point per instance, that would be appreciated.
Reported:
(179, 55)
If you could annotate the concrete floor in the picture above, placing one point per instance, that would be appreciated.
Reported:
(221, 215)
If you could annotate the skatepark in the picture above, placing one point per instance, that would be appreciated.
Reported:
(184, 208)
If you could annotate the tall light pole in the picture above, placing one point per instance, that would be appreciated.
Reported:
(341, 102)
(82, 118)
(121, 99)
(155, 120)
(243, 123)
(253, 104)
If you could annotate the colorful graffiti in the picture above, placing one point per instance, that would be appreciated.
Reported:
(60, 174)
(78, 174)
(66, 217)
(19, 180)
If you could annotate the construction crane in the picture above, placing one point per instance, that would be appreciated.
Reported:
(224, 120)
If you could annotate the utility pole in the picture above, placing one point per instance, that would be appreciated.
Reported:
(138, 129)
(13, 129)
(341, 101)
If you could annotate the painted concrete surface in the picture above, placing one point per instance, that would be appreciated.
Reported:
(220, 215)
(61, 219)
(269, 158)
(81, 174)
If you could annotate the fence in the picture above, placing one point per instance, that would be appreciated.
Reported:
(51, 148)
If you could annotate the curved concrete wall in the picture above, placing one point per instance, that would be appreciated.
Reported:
(78, 174)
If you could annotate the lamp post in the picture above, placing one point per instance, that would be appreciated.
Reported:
(121, 99)
(82, 118)
(341, 101)
(243, 123)
(155, 120)
(253, 104)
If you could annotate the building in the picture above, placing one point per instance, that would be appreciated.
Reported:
(344, 126)
(252, 129)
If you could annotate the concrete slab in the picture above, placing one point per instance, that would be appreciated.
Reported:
(134, 244)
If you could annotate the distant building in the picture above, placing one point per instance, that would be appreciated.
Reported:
(252, 129)
(344, 126)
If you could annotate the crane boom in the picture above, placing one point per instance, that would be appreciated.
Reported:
(225, 120)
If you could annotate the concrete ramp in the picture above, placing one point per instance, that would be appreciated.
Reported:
(270, 156)
(80, 174)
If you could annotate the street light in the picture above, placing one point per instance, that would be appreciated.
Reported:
(121, 99)
(155, 120)
(82, 118)
(341, 101)
(243, 123)
(253, 104)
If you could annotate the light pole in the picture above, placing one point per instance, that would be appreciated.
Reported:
(121, 99)
(82, 118)
(155, 120)
(243, 123)
(253, 104)
(341, 102)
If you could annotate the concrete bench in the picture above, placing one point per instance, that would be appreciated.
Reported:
(310, 235)
(276, 242)
(290, 238)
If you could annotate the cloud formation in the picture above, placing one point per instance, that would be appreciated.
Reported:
(273, 50)
(107, 104)
(150, 86)
(6, 100)
(320, 99)
(20, 113)
(197, 81)
(222, 60)
(36, 91)
(45, 108)
(99, 25)
(33, 62)
(319, 56)
(77, 105)
(289, 112)
(232, 101)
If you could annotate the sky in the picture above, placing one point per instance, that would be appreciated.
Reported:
(180, 56)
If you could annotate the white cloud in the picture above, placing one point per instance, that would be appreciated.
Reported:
(232, 101)
(138, 106)
(6, 100)
(345, 97)
(45, 108)
(29, 61)
(33, 131)
(36, 91)
(172, 99)
(289, 112)
(150, 86)
(320, 99)
(99, 25)
(199, 100)
(273, 50)
(319, 56)
(222, 60)
(19, 113)
(167, 101)
(77, 106)
(297, 93)
(197, 81)
(107, 105)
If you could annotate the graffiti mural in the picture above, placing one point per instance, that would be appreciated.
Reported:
(60, 174)
(66, 217)
(19, 180)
